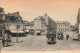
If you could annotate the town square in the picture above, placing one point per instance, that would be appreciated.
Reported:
(28, 29)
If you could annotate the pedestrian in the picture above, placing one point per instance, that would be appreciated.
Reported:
(59, 35)
(67, 36)
(62, 36)
(4, 40)
(9, 37)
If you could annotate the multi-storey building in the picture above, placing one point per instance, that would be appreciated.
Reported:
(29, 26)
(39, 25)
(44, 23)
(14, 23)
(50, 24)
(63, 26)
(78, 23)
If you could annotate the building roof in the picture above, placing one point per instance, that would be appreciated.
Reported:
(39, 18)
(63, 22)
(78, 17)
(14, 16)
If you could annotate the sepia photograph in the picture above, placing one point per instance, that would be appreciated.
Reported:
(35, 26)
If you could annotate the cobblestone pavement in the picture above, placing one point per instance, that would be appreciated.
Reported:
(38, 43)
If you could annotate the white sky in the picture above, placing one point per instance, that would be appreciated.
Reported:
(65, 10)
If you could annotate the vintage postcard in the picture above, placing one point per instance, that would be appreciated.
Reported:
(35, 26)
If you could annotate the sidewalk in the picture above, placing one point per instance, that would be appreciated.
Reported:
(14, 45)
(38, 43)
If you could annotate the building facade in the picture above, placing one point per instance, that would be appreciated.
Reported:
(44, 23)
(78, 23)
(39, 25)
(63, 26)
(50, 23)
(14, 23)
(29, 26)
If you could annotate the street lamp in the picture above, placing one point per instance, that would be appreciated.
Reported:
(8, 23)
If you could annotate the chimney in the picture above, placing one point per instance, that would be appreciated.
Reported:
(17, 12)
(46, 14)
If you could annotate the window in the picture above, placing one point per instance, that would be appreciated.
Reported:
(59, 29)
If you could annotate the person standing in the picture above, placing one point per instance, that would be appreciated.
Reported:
(67, 36)
(4, 40)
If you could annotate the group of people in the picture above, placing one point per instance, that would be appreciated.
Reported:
(6, 38)
(61, 36)
(67, 36)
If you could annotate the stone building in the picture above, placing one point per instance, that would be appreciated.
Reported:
(29, 26)
(50, 23)
(14, 17)
(73, 28)
(44, 23)
(14, 23)
(39, 25)
(26, 23)
(78, 23)
(63, 26)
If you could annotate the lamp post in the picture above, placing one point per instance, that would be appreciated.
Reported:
(8, 23)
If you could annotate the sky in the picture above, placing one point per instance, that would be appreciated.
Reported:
(64, 10)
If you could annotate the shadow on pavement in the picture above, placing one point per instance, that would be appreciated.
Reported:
(18, 41)
(9, 45)
(75, 40)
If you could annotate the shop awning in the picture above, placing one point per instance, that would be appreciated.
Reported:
(15, 31)
(38, 31)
